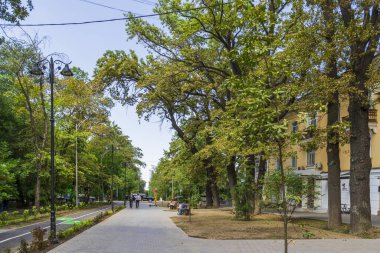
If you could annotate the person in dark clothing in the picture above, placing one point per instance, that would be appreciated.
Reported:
(131, 201)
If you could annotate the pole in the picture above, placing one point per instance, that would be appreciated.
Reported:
(76, 166)
(172, 187)
(112, 151)
(125, 184)
(53, 234)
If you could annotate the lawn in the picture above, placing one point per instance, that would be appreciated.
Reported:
(221, 224)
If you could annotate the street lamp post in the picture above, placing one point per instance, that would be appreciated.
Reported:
(112, 152)
(36, 70)
(125, 183)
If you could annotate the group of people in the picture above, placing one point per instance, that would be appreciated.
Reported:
(182, 208)
(136, 198)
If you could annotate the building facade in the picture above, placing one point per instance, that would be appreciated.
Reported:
(312, 163)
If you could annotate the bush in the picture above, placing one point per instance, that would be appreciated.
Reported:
(38, 239)
(14, 213)
(118, 208)
(25, 214)
(42, 210)
(75, 228)
(23, 246)
(243, 198)
(34, 211)
(98, 217)
(4, 217)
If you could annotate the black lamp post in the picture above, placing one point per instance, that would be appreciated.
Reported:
(36, 70)
(125, 183)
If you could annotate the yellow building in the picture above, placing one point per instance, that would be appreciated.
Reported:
(314, 162)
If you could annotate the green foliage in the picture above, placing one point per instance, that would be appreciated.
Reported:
(34, 211)
(296, 188)
(243, 200)
(66, 233)
(15, 10)
(26, 214)
(4, 216)
(7, 250)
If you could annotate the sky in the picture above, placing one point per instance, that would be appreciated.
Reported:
(84, 44)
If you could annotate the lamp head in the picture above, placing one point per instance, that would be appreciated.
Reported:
(36, 70)
(66, 71)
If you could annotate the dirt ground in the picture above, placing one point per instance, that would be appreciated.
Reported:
(221, 224)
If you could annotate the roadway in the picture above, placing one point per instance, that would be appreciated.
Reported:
(10, 238)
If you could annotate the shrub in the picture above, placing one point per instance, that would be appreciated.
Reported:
(34, 211)
(23, 246)
(243, 197)
(75, 228)
(38, 239)
(4, 217)
(98, 217)
(25, 214)
(118, 208)
(42, 210)
(14, 213)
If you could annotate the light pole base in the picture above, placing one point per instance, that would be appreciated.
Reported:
(54, 240)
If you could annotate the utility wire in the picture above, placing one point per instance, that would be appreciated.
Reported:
(105, 6)
(113, 19)
(145, 2)
(110, 7)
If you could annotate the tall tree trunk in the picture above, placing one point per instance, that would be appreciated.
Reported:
(363, 50)
(212, 179)
(360, 161)
(259, 185)
(232, 179)
(332, 148)
(250, 179)
(208, 193)
(38, 185)
(333, 161)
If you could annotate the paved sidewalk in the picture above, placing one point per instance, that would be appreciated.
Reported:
(149, 230)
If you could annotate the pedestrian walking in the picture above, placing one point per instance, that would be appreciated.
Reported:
(131, 201)
(138, 198)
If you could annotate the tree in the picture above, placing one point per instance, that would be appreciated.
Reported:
(15, 10)
(16, 58)
(361, 32)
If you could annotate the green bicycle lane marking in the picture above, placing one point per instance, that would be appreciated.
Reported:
(68, 220)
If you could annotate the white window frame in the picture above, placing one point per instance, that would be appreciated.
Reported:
(293, 161)
(312, 120)
(310, 156)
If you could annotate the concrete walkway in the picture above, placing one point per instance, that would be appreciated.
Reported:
(149, 230)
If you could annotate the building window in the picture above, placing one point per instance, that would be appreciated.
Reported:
(278, 164)
(294, 126)
(311, 120)
(294, 162)
(311, 158)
